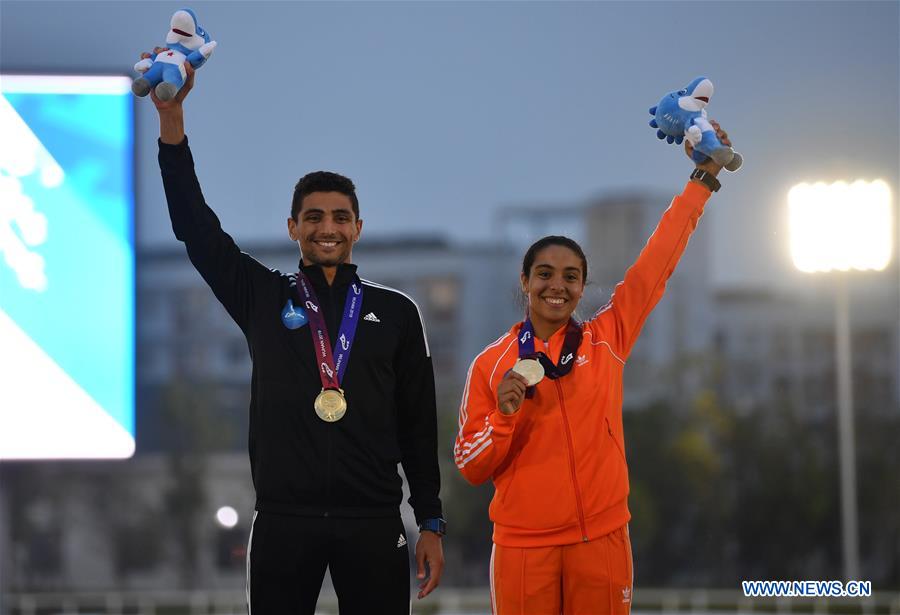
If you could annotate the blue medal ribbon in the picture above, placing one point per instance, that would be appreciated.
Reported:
(332, 364)
(566, 357)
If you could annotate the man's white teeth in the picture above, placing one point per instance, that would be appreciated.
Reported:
(327, 244)
(554, 300)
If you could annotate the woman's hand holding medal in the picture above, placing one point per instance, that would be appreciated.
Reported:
(511, 392)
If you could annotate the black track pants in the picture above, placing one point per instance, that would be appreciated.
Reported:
(287, 556)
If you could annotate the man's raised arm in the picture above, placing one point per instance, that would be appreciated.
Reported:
(171, 112)
(233, 276)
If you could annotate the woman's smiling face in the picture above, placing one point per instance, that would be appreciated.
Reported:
(554, 285)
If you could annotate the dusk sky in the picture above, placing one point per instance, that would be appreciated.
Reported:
(441, 112)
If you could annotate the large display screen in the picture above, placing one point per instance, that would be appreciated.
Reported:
(66, 267)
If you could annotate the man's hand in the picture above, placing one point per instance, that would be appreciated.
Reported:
(430, 552)
(171, 112)
(175, 103)
(511, 392)
(710, 165)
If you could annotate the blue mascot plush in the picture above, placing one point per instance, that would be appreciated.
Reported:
(164, 71)
(682, 115)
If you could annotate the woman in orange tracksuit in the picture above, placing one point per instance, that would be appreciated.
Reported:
(555, 451)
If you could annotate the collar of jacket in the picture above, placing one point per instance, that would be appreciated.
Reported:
(346, 274)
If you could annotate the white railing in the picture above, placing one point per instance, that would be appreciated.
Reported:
(445, 601)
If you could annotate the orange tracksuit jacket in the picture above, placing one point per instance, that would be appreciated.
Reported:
(558, 464)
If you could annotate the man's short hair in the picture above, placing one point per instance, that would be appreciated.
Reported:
(323, 181)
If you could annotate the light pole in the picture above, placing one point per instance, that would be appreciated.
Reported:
(839, 227)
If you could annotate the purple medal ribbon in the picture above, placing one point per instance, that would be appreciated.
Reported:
(566, 357)
(331, 365)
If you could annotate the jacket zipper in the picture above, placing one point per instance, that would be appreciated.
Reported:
(330, 432)
(571, 449)
(330, 447)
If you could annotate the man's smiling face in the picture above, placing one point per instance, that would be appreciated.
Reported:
(326, 228)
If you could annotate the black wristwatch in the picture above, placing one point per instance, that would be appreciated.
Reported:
(436, 525)
(707, 179)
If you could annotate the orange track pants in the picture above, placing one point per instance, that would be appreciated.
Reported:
(586, 578)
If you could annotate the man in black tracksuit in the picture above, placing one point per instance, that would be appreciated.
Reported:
(327, 492)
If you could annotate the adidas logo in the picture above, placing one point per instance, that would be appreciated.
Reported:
(401, 542)
(371, 317)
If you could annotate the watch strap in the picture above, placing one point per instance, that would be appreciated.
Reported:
(707, 179)
(436, 525)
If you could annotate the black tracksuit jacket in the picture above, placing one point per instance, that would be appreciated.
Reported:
(301, 464)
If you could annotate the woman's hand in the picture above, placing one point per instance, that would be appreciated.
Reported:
(710, 165)
(511, 392)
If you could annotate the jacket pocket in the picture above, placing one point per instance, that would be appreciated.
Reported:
(615, 440)
(504, 492)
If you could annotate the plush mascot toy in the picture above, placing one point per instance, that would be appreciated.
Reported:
(682, 115)
(164, 71)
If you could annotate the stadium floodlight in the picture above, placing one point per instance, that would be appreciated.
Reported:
(227, 517)
(840, 227)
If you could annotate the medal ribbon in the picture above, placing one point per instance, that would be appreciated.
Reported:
(331, 365)
(566, 357)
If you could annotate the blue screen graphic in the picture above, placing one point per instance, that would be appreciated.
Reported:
(66, 268)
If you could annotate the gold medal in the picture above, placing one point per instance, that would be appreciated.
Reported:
(531, 369)
(330, 405)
